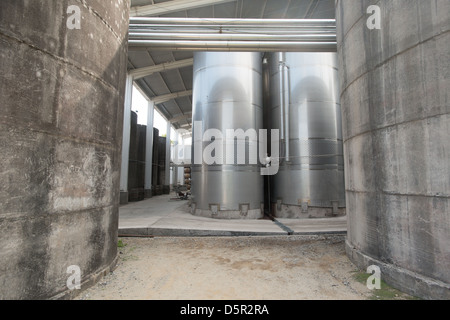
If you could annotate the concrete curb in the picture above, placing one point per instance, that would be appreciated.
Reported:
(168, 232)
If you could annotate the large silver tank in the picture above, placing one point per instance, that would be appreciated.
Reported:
(227, 94)
(310, 180)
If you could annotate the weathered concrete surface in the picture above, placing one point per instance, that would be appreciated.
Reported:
(396, 123)
(61, 94)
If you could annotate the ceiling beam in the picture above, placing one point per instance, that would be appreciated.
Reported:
(168, 97)
(187, 115)
(146, 71)
(172, 6)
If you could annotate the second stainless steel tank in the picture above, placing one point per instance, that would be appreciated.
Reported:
(227, 95)
(304, 106)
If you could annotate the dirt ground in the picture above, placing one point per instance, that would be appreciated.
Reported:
(231, 268)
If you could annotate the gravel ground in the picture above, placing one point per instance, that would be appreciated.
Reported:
(234, 268)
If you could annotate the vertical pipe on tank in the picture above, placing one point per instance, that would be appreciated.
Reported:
(281, 62)
(305, 107)
(286, 93)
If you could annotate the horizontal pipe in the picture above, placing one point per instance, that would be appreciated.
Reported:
(228, 22)
(257, 31)
(259, 46)
(246, 31)
(231, 37)
(308, 35)
(229, 29)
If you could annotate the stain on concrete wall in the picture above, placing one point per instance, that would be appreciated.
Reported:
(396, 112)
(62, 97)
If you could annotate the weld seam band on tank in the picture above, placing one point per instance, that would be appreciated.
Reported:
(320, 161)
(304, 164)
(316, 139)
(286, 168)
(311, 65)
(314, 205)
(309, 157)
(283, 169)
(314, 156)
(233, 66)
(316, 65)
(330, 155)
(319, 203)
(293, 102)
(318, 156)
(296, 163)
(219, 103)
(229, 170)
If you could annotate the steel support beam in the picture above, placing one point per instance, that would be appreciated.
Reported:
(168, 145)
(146, 71)
(182, 117)
(149, 150)
(168, 97)
(172, 6)
(126, 140)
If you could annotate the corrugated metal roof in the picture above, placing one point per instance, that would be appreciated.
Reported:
(181, 79)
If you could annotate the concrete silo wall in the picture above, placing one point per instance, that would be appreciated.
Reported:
(61, 93)
(395, 104)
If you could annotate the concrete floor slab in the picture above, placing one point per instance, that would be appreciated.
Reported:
(162, 216)
(336, 225)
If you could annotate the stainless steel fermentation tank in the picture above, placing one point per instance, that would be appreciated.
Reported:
(304, 106)
(301, 95)
(227, 94)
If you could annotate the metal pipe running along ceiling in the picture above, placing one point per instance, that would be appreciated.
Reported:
(194, 34)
